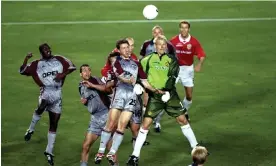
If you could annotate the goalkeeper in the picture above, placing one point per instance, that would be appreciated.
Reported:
(162, 70)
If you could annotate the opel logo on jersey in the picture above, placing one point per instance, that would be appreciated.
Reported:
(49, 73)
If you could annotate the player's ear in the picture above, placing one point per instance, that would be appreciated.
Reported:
(81, 74)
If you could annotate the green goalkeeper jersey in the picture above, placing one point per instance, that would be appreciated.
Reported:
(162, 71)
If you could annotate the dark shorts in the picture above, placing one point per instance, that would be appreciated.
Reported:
(173, 107)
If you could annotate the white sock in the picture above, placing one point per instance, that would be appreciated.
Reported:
(187, 104)
(34, 121)
(133, 142)
(105, 137)
(51, 142)
(189, 134)
(141, 138)
(116, 142)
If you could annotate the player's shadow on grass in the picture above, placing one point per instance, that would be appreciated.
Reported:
(15, 146)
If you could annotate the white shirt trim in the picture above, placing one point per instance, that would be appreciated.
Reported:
(184, 40)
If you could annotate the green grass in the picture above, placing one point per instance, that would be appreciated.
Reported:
(234, 98)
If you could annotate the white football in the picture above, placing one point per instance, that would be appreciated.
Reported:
(150, 12)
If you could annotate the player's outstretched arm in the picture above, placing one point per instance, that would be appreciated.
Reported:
(131, 80)
(149, 87)
(100, 87)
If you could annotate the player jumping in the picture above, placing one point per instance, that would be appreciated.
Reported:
(162, 70)
(124, 100)
(137, 116)
(146, 49)
(94, 95)
(49, 73)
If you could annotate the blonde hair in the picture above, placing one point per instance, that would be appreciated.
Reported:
(129, 38)
(157, 27)
(160, 37)
(199, 155)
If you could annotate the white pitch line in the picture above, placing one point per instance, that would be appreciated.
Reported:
(139, 21)
(154, 0)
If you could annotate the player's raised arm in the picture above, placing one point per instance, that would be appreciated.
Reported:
(28, 69)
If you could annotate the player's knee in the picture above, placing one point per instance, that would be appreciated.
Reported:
(182, 120)
(146, 126)
(110, 126)
(39, 110)
(121, 128)
(146, 123)
(135, 127)
(42, 106)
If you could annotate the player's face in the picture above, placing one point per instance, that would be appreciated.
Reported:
(86, 73)
(46, 52)
(131, 46)
(184, 30)
(156, 32)
(161, 46)
(124, 50)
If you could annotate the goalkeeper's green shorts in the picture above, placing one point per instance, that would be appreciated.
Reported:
(173, 107)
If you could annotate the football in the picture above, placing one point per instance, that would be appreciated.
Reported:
(150, 12)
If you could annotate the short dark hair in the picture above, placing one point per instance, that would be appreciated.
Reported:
(113, 54)
(42, 46)
(184, 22)
(120, 42)
(83, 65)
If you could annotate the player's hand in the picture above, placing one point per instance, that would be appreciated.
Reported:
(83, 100)
(158, 91)
(197, 68)
(132, 80)
(29, 55)
(59, 77)
(88, 84)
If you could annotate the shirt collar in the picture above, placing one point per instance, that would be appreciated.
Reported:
(184, 40)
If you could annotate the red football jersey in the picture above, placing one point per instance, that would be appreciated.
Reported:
(186, 49)
(107, 67)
